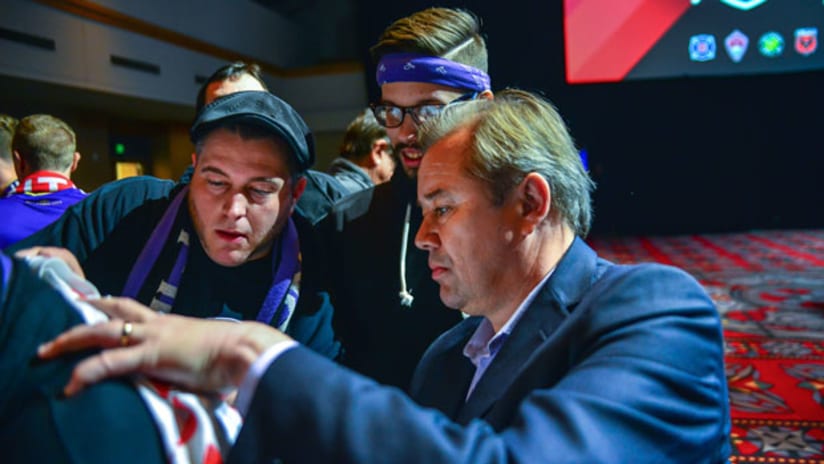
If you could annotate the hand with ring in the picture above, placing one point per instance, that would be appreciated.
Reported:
(126, 333)
(199, 354)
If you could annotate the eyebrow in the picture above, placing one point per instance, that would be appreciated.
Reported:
(434, 194)
(215, 170)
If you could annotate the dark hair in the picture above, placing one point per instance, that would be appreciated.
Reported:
(361, 133)
(448, 33)
(232, 71)
(45, 143)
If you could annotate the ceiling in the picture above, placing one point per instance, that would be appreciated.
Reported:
(19, 97)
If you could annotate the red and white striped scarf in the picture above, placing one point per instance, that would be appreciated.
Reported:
(43, 182)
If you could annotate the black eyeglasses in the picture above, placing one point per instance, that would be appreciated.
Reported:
(391, 116)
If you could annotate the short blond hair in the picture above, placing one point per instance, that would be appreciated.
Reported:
(45, 143)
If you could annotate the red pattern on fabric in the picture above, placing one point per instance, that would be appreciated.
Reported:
(162, 388)
(186, 419)
(44, 182)
(212, 456)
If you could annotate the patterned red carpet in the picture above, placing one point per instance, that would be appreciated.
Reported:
(769, 289)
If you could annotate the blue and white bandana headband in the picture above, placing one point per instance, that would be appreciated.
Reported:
(413, 67)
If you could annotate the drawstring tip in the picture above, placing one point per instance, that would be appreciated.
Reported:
(406, 299)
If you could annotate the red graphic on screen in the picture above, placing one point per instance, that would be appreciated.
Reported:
(605, 39)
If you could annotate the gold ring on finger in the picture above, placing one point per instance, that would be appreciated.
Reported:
(126, 333)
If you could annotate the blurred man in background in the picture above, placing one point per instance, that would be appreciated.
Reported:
(365, 155)
(45, 156)
(230, 78)
(7, 173)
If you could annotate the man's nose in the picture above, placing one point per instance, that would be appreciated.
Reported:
(237, 205)
(426, 238)
(408, 130)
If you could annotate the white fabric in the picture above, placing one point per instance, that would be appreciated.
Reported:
(194, 428)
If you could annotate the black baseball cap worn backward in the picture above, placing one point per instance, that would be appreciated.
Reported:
(264, 110)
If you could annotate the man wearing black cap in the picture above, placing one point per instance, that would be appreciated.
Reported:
(225, 245)
(322, 190)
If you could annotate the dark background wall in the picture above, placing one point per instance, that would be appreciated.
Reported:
(669, 156)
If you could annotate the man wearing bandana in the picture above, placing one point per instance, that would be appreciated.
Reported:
(225, 245)
(387, 307)
(44, 158)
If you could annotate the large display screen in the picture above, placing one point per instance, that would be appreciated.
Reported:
(616, 40)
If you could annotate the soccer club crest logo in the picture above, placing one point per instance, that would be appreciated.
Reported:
(771, 44)
(806, 40)
(702, 47)
(736, 45)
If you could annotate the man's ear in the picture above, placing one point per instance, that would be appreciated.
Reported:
(75, 161)
(194, 159)
(534, 199)
(486, 95)
(376, 154)
(19, 164)
(300, 186)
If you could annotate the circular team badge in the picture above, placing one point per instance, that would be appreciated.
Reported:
(771, 44)
(702, 47)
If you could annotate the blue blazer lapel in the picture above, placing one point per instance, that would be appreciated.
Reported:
(572, 277)
(444, 373)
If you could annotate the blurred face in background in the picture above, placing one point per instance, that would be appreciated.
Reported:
(225, 87)
(384, 162)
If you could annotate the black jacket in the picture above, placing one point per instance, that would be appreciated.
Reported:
(105, 423)
(108, 230)
(380, 337)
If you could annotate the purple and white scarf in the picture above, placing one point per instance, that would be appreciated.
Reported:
(280, 301)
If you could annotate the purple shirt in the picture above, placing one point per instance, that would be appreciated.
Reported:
(22, 214)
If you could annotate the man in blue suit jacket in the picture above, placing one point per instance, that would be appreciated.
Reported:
(565, 357)
(107, 423)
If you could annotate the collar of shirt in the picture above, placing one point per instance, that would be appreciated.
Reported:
(484, 344)
(43, 182)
